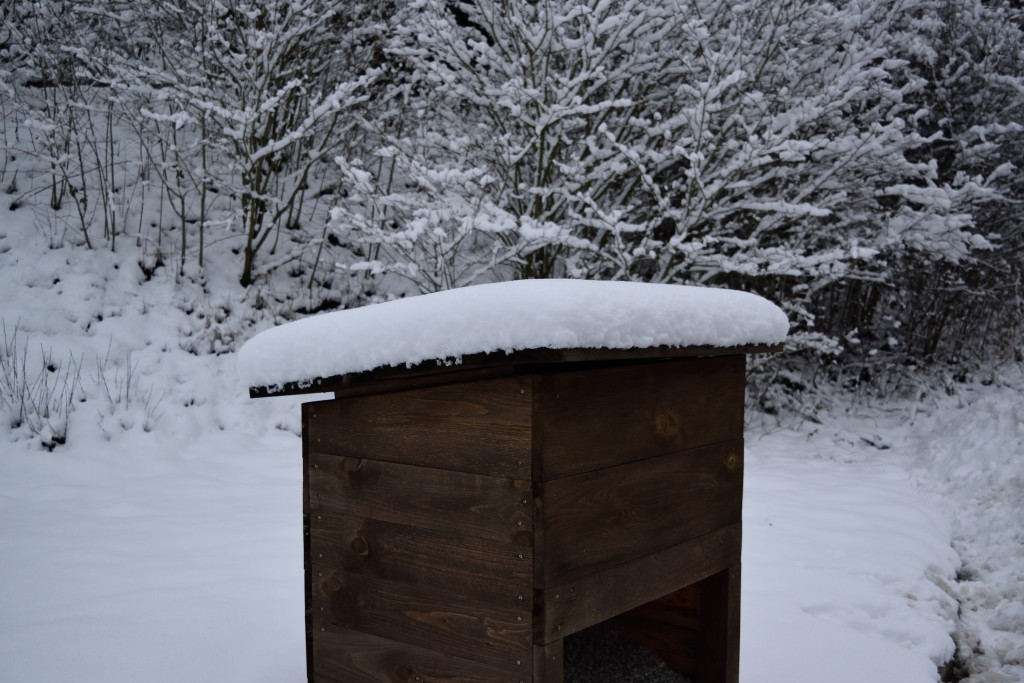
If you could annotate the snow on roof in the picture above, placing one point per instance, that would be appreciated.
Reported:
(508, 316)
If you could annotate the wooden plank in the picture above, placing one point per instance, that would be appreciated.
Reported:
(480, 568)
(572, 606)
(443, 375)
(548, 663)
(474, 366)
(428, 616)
(345, 656)
(680, 608)
(668, 627)
(472, 504)
(603, 518)
(306, 562)
(481, 427)
(606, 417)
(719, 638)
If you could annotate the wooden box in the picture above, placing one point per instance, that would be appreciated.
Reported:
(461, 521)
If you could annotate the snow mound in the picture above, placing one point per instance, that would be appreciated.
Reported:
(508, 316)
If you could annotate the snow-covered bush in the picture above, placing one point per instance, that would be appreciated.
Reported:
(237, 108)
(37, 393)
(514, 151)
(126, 401)
(270, 89)
(936, 303)
(854, 161)
(773, 146)
(971, 54)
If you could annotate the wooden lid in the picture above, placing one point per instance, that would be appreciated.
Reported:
(488, 365)
(505, 328)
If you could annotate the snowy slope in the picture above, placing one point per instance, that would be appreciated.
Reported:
(163, 541)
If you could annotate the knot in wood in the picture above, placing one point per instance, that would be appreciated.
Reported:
(524, 538)
(360, 546)
(732, 463)
(666, 425)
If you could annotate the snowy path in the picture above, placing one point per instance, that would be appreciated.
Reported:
(176, 555)
(964, 455)
(973, 459)
(844, 573)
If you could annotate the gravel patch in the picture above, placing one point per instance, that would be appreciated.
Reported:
(602, 654)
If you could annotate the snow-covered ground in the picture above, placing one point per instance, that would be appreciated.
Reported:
(162, 542)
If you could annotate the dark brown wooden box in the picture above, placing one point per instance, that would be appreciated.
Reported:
(462, 520)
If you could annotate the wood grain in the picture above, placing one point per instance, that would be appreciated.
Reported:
(548, 663)
(609, 416)
(459, 565)
(479, 427)
(599, 519)
(566, 608)
(471, 504)
(426, 616)
(460, 523)
(668, 627)
(719, 636)
(680, 608)
(345, 656)
(306, 563)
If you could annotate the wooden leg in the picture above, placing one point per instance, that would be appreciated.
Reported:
(547, 662)
(719, 637)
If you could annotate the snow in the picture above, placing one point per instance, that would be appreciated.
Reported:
(841, 560)
(165, 544)
(508, 316)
